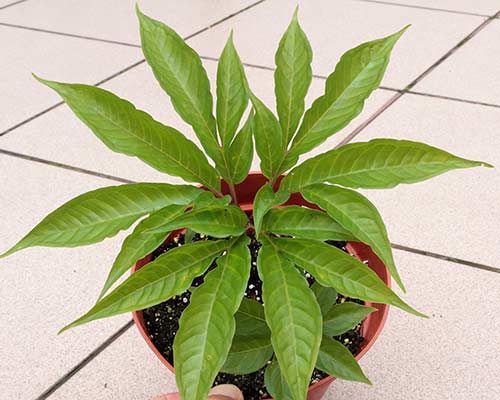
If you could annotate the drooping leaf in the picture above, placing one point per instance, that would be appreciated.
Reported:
(292, 77)
(268, 138)
(248, 354)
(336, 360)
(294, 317)
(250, 319)
(169, 275)
(127, 130)
(325, 296)
(265, 199)
(207, 326)
(179, 70)
(275, 383)
(304, 223)
(232, 93)
(240, 153)
(140, 243)
(96, 215)
(377, 164)
(356, 76)
(343, 317)
(358, 215)
(334, 268)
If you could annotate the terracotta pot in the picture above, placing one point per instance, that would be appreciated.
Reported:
(372, 325)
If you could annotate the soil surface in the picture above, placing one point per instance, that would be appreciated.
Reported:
(162, 323)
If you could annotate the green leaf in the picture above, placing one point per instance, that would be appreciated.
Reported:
(334, 268)
(240, 152)
(325, 296)
(248, 354)
(232, 93)
(251, 320)
(102, 213)
(358, 215)
(179, 70)
(127, 130)
(268, 138)
(356, 76)
(292, 77)
(343, 317)
(140, 243)
(304, 223)
(377, 164)
(336, 360)
(265, 199)
(207, 326)
(169, 275)
(217, 221)
(207, 199)
(294, 317)
(276, 385)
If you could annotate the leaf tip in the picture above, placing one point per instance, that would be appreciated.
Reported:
(296, 13)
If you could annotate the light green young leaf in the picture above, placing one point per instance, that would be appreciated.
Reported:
(96, 215)
(140, 243)
(292, 77)
(275, 383)
(250, 319)
(179, 70)
(265, 199)
(207, 199)
(232, 92)
(304, 223)
(377, 164)
(207, 326)
(240, 153)
(268, 138)
(343, 317)
(336, 360)
(127, 130)
(356, 76)
(325, 296)
(334, 268)
(248, 354)
(169, 275)
(358, 215)
(294, 317)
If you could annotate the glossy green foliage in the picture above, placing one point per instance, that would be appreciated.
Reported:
(265, 200)
(342, 317)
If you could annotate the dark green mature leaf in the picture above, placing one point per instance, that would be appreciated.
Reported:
(334, 268)
(207, 326)
(358, 215)
(356, 76)
(292, 77)
(343, 317)
(251, 320)
(248, 354)
(179, 70)
(169, 275)
(102, 213)
(218, 221)
(232, 92)
(304, 223)
(140, 243)
(127, 130)
(293, 315)
(325, 296)
(207, 199)
(268, 138)
(265, 199)
(336, 360)
(377, 164)
(275, 383)
(240, 153)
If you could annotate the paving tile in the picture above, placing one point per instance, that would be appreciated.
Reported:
(486, 7)
(449, 356)
(58, 129)
(335, 27)
(43, 289)
(116, 19)
(472, 72)
(454, 214)
(68, 59)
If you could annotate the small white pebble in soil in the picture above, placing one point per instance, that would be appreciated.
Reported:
(184, 300)
(308, 275)
(251, 286)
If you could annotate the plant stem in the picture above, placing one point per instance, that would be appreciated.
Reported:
(232, 190)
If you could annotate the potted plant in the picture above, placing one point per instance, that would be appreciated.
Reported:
(256, 263)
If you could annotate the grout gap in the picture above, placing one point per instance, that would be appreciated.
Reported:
(12, 4)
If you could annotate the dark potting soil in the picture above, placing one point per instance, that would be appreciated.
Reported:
(162, 322)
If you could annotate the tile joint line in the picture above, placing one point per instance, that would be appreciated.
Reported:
(12, 4)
